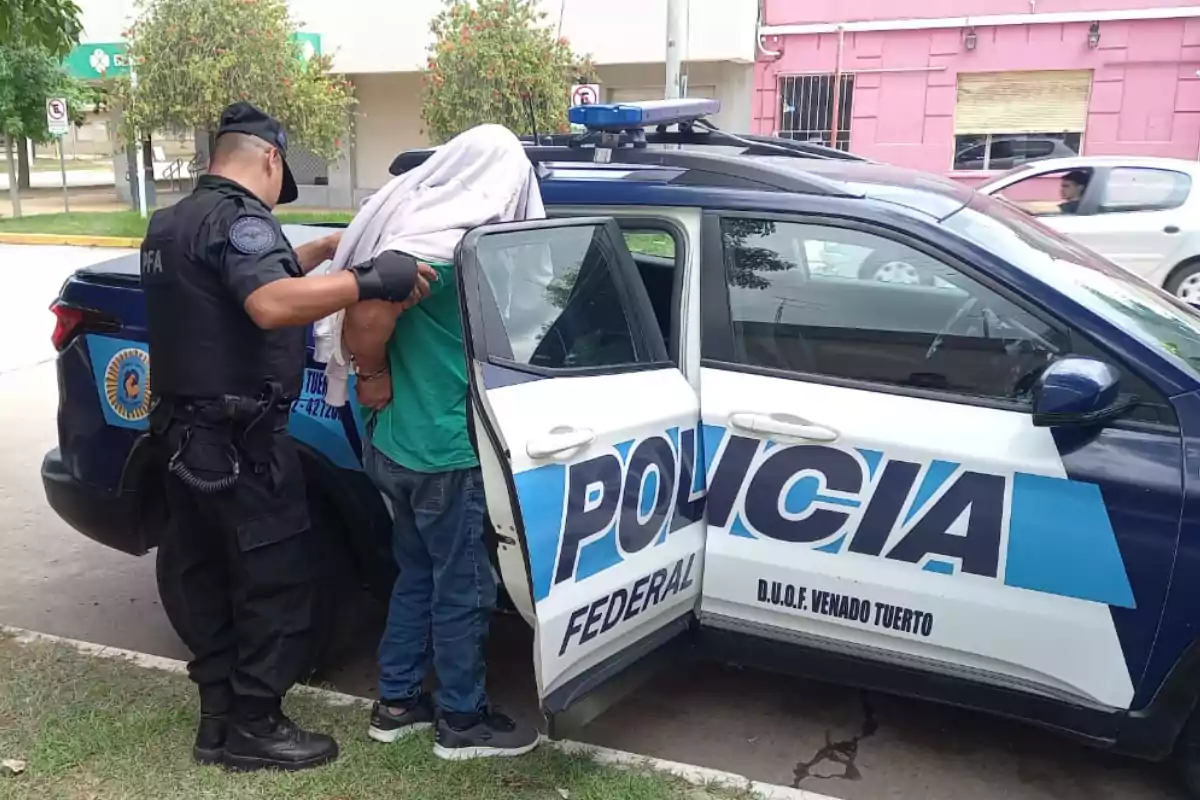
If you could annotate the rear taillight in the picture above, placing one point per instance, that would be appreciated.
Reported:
(70, 321)
(67, 322)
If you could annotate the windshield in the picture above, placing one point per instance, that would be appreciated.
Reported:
(1152, 316)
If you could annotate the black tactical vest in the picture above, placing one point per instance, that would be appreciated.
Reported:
(203, 344)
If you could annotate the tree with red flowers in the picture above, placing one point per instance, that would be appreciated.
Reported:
(489, 60)
(194, 57)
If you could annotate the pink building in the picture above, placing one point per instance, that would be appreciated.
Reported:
(969, 87)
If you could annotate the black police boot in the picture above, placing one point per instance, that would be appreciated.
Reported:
(209, 748)
(216, 705)
(272, 741)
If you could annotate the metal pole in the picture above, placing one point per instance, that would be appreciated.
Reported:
(676, 36)
(14, 188)
(837, 88)
(62, 168)
(139, 159)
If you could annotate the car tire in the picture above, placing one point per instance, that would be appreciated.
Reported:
(336, 588)
(892, 269)
(1184, 282)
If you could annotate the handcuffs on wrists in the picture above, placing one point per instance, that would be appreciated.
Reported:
(369, 376)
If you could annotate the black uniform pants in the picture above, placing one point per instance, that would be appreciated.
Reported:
(235, 573)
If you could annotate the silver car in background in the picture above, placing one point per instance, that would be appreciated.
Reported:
(1140, 213)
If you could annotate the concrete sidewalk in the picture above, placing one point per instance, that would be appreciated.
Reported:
(104, 199)
(101, 175)
(43, 201)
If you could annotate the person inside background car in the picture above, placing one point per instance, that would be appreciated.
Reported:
(1074, 184)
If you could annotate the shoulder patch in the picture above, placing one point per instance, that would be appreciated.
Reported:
(252, 235)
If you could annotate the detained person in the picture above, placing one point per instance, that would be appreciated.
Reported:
(411, 372)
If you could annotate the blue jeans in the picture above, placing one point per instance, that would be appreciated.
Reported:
(443, 598)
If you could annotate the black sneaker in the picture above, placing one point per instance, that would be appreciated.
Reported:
(276, 743)
(392, 722)
(209, 748)
(489, 735)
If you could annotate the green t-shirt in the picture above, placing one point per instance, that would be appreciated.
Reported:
(424, 428)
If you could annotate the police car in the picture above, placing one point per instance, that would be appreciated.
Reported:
(705, 427)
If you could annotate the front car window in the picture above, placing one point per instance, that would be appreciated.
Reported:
(1045, 194)
(1148, 314)
(842, 303)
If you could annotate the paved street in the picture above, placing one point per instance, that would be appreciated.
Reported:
(839, 742)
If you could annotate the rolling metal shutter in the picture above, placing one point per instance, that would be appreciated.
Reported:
(1022, 102)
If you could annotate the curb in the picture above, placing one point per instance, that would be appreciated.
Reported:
(71, 239)
(700, 776)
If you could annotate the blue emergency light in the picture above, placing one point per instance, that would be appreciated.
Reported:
(631, 116)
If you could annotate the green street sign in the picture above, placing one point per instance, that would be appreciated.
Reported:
(310, 44)
(98, 60)
(95, 61)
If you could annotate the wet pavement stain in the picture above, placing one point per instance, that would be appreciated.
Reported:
(843, 753)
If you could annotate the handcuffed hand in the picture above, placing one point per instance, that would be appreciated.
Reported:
(375, 393)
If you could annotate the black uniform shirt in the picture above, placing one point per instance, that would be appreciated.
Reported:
(200, 261)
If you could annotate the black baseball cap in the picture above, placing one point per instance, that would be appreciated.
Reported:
(245, 118)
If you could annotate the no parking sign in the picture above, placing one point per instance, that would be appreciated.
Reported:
(56, 116)
(585, 94)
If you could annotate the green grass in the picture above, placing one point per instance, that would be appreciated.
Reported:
(128, 223)
(651, 244)
(97, 729)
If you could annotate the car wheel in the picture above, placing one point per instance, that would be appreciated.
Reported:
(1184, 282)
(336, 587)
(892, 270)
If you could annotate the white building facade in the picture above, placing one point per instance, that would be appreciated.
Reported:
(382, 46)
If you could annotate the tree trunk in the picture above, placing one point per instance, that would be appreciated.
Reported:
(14, 190)
(206, 140)
(23, 165)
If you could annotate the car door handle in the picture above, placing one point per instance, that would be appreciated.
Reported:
(787, 425)
(1171, 229)
(559, 440)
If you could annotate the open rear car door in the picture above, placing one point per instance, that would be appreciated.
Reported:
(587, 435)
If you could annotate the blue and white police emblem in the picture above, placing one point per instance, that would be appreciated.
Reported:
(127, 384)
(252, 235)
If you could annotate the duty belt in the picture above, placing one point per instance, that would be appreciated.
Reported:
(243, 417)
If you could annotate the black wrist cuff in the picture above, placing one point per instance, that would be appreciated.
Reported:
(388, 276)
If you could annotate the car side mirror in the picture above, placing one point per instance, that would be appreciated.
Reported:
(1078, 391)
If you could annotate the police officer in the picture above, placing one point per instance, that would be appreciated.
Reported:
(228, 304)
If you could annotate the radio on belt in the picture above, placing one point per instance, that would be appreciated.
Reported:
(622, 124)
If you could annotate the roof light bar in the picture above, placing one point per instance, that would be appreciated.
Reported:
(616, 117)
